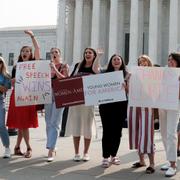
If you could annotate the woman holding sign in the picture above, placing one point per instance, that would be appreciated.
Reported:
(168, 125)
(5, 84)
(80, 117)
(141, 128)
(113, 117)
(53, 115)
(23, 117)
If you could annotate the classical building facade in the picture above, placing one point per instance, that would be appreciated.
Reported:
(12, 39)
(126, 27)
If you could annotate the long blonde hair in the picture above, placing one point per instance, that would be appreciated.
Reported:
(3, 69)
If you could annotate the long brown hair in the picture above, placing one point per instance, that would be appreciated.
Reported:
(176, 57)
(83, 63)
(31, 56)
(110, 67)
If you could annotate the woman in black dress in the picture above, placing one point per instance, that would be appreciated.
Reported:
(113, 117)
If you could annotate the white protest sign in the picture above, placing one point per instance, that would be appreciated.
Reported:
(33, 83)
(155, 87)
(104, 88)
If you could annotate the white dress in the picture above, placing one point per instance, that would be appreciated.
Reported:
(80, 121)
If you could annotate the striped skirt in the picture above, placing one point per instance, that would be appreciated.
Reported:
(141, 129)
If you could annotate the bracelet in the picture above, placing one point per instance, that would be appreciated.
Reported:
(32, 36)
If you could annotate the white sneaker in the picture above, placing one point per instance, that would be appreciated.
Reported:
(77, 157)
(7, 153)
(170, 172)
(50, 159)
(86, 157)
(105, 163)
(115, 160)
(165, 167)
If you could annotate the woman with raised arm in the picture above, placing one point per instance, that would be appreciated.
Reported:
(23, 117)
(80, 117)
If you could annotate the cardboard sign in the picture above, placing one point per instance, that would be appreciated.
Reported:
(33, 83)
(68, 92)
(104, 88)
(155, 87)
(89, 90)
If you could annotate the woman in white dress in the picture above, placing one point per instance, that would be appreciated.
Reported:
(80, 117)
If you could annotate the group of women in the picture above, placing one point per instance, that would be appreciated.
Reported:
(80, 118)
(140, 123)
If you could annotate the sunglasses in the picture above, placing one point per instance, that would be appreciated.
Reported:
(1, 62)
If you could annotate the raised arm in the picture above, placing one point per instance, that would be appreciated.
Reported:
(35, 44)
(96, 64)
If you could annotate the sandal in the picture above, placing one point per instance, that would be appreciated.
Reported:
(18, 152)
(115, 160)
(150, 170)
(28, 153)
(138, 165)
(105, 163)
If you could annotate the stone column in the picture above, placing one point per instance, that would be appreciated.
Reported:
(69, 32)
(77, 31)
(61, 27)
(113, 28)
(95, 24)
(153, 31)
(133, 49)
(173, 26)
(140, 27)
(120, 31)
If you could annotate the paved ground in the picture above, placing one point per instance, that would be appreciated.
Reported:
(63, 168)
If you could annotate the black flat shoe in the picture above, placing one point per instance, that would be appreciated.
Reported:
(150, 170)
(138, 165)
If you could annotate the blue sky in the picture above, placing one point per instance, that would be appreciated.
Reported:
(28, 12)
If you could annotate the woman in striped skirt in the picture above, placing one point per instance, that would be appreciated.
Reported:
(141, 128)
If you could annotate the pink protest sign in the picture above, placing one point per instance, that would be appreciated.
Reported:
(155, 87)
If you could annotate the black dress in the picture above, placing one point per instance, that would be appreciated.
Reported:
(113, 116)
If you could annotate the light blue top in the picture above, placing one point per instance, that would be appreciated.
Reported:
(4, 81)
